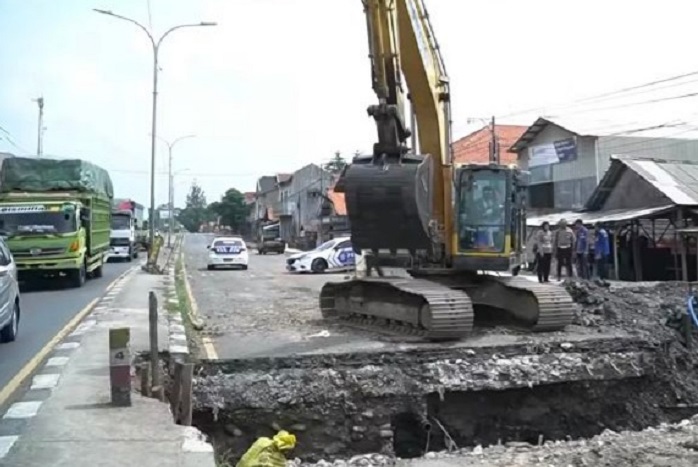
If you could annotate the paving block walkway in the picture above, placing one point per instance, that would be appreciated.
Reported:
(74, 424)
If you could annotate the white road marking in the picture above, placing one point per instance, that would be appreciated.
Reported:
(6, 443)
(68, 346)
(23, 409)
(45, 381)
(57, 361)
(179, 349)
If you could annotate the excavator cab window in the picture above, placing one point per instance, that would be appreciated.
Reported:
(482, 210)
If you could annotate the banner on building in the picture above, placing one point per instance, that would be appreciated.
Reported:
(552, 153)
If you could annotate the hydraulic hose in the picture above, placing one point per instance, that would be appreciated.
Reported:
(691, 310)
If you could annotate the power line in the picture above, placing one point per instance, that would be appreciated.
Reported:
(600, 96)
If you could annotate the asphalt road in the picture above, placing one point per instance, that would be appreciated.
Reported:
(44, 313)
(263, 311)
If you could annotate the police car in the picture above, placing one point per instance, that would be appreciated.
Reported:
(334, 255)
(227, 252)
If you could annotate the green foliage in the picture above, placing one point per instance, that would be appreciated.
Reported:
(232, 209)
(337, 164)
(195, 212)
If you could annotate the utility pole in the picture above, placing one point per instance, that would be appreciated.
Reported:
(494, 144)
(40, 136)
(155, 43)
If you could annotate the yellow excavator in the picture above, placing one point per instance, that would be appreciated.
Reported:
(453, 228)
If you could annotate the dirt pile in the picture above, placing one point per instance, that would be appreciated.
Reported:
(637, 308)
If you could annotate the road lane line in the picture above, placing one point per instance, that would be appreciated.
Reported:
(39, 357)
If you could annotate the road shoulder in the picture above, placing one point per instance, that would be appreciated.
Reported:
(66, 419)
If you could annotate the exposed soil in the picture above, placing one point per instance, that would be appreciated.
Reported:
(459, 399)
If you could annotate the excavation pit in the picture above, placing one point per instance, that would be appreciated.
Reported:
(403, 403)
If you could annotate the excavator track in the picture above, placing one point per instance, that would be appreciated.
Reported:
(539, 307)
(416, 307)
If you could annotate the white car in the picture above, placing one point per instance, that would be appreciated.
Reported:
(334, 255)
(227, 252)
(9, 295)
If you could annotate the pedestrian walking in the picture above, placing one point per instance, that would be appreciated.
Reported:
(563, 244)
(602, 251)
(582, 249)
(544, 252)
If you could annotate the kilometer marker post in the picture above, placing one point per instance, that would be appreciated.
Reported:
(120, 366)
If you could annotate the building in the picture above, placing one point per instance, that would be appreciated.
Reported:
(475, 147)
(334, 219)
(303, 200)
(567, 160)
(650, 208)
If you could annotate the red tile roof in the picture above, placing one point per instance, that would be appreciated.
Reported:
(475, 147)
(340, 207)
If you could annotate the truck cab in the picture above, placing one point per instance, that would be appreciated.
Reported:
(122, 238)
(50, 236)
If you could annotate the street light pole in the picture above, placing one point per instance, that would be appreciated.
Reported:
(153, 133)
(170, 195)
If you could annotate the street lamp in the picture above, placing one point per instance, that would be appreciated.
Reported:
(171, 183)
(156, 48)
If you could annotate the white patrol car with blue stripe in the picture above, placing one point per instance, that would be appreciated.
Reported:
(227, 252)
(334, 255)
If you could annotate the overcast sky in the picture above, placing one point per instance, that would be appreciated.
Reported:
(282, 83)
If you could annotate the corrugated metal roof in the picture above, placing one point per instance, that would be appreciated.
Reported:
(614, 215)
(677, 180)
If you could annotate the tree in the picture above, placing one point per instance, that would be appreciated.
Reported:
(195, 212)
(337, 164)
(232, 209)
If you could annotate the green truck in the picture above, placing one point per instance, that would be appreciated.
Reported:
(56, 217)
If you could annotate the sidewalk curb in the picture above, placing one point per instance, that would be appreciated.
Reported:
(178, 345)
(46, 367)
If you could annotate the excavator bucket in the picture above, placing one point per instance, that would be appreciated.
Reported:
(389, 206)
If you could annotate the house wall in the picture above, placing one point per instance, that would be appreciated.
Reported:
(307, 180)
(568, 185)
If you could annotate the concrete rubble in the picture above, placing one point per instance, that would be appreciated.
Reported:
(673, 445)
(618, 367)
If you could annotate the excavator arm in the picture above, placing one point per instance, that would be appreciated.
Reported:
(402, 204)
(413, 190)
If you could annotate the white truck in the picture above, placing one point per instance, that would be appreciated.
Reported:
(126, 220)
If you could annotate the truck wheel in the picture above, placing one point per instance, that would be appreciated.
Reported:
(77, 278)
(129, 258)
(98, 272)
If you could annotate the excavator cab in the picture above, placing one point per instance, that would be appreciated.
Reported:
(489, 218)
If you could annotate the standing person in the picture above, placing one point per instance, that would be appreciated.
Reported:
(544, 255)
(603, 251)
(562, 247)
(582, 249)
(591, 257)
